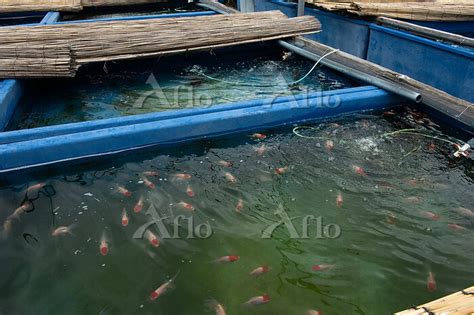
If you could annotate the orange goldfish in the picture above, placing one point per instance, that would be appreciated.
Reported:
(339, 200)
(163, 288)
(148, 183)
(124, 217)
(259, 136)
(186, 205)
(182, 176)
(227, 259)
(329, 145)
(35, 187)
(262, 299)
(359, 170)
(431, 215)
(124, 191)
(224, 163)
(190, 191)
(230, 178)
(139, 206)
(216, 307)
(155, 241)
(63, 230)
(104, 246)
(281, 170)
(431, 282)
(259, 271)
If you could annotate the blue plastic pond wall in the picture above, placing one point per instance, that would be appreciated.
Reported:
(11, 90)
(446, 67)
(43, 146)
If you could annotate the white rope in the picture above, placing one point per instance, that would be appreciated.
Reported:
(266, 85)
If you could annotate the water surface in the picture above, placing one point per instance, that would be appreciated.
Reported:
(380, 262)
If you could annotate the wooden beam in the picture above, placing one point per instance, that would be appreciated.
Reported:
(426, 31)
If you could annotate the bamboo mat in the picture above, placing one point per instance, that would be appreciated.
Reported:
(8, 6)
(459, 303)
(58, 50)
(434, 10)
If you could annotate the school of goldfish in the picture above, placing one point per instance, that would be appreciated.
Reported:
(146, 178)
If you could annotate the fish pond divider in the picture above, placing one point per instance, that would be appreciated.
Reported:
(25, 149)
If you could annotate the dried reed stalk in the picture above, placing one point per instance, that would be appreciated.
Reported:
(118, 40)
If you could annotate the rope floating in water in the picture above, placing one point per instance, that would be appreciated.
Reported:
(266, 85)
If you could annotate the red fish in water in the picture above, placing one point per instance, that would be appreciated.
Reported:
(124, 191)
(148, 183)
(182, 176)
(124, 217)
(431, 215)
(313, 312)
(281, 170)
(239, 206)
(431, 282)
(186, 205)
(63, 230)
(259, 271)
(155, 241)
(216, 307)
(104, 246)
(329, 145)
(35, 187)
(227, 259)
(20, 210)
(230, 178)
(456, 227)
(262, 299)
(163, 288)
(190, 191)
(224, 163)
(322, 267)
(339, 200)
(432, 147)
(259, 136)
(465, 212)
(261, 150)
(359, 170)
(139, 206)
(151, 173)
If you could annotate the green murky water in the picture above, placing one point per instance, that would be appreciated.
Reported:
(113, 90)
(391, 235)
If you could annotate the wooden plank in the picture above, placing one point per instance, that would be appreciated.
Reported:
(458, 109)
(427, 32)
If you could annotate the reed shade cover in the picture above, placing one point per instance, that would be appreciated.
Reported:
(64, 5)
(441, 10)
(459, 303)
(60, 49)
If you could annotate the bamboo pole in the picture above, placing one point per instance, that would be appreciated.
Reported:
(459, 109)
